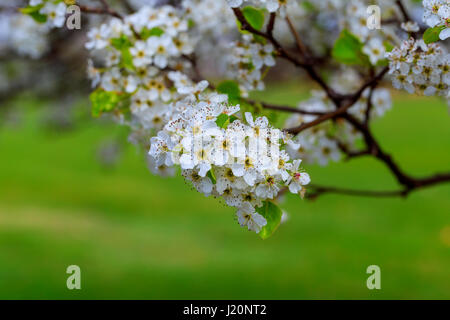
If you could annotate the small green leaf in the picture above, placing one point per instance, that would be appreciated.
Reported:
(348, 50)
(254, 16)
(38, 17)
(34, 12)
(432, 34)
(127, 59)
(212, 176)
(388, 46)
(272, 213)
(147, 33)
(233, 118)
(121, 43)
(30, 9)
(103, 101)
(231, 88)
(222, 120)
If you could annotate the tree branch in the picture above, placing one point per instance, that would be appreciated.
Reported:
(344, 103)
(281, 52)
(107, 10)
(271, 24)
(318, 190)
(300, 46)
(403, 10)
(408, 182)
(285, 108)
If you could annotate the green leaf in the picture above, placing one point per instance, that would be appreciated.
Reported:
(272, 213)
(33, 11)
(254, 16)
(223, 120)
(39, 17)
(231, 88)
(212, 176)
(388, 46)
(233, 118)
(348, 50)
(147, 33)
(103, 101)
(432, 34)
(127, 59)
(121, 43)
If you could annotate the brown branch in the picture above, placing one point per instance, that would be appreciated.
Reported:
(127, 6)
(369, 106)
(280, 108)
(344, 103)
(407, 17)
(325, 117)
(271, 24)
(409, 183)
(300, 46)
(348, 152)
(403, 10)
(281, 52)
(245, 25)
(105, 10)
(320, 190)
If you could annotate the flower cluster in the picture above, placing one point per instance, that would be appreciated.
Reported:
(142, 61)
(247, 61)
(437, 14)
(53, 11)
(244, 163)
(420, 68)
(137, 57)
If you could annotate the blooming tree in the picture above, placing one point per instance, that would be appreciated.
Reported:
(146, 66)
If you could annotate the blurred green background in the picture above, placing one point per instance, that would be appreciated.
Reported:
(137, 236)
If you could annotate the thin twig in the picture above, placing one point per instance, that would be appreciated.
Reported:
(300, 46)
(288, 109)
(281, 52)
(344, 104)
(271, 24)
(403, 10)
(369, 106)
(106, 11)
(320, 190)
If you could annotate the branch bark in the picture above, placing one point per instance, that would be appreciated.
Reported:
(106, 9)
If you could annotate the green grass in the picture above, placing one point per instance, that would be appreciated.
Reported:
(142, 237)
